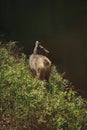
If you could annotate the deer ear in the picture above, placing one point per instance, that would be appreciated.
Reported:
(37, 43)
(41, 46)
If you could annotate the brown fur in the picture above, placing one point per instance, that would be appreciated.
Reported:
(41, 65)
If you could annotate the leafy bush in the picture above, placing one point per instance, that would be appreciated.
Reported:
(27, 103)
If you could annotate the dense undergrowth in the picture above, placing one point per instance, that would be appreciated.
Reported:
(27, 103)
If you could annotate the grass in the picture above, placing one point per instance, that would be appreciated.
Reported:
(27, 103)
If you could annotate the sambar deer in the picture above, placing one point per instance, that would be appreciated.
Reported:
(39, 63)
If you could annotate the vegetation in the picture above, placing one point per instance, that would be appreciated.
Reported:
(27, 103)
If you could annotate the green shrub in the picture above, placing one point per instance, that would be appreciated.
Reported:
(27, 103)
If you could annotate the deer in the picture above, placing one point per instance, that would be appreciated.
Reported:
(39, 63)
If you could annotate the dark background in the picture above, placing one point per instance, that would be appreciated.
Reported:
(61, 26)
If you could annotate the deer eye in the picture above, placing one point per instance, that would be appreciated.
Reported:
(46, 63)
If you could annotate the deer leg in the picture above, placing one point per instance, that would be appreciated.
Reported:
(38, 72)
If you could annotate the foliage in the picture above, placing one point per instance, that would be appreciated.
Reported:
(27, 103)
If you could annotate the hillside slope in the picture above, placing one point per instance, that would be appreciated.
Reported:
(27, 103)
